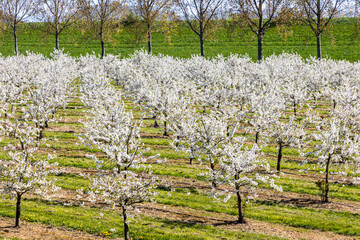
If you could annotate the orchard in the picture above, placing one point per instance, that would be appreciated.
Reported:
(169, 148)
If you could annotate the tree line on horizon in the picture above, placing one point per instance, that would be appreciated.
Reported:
(103, 18)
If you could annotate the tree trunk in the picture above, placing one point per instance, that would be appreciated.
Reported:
(279, 157)
(318, 45)
(41, 134)
(260, 47)
(201, 42)
(15, 40)
(165, 129)
(57, 41)
(177, 141)
(102, 49)
(156, 125)
(241, 218)
(213, 182)
(294, 108)
(326, 197)
(18, 210)
(256, 137)
(126, 226)
(149, 39)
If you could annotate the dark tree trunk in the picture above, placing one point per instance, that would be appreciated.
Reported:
(279, 157)
(241, 218)
(213, 182)
(294, 108)
(156, 125)
(149, 39)
(318, 45)
(260, 47)
(201, 36)
(126, 226)
(41, 134)
(15, 40)
(18, 210)
(178, 141)
(57, 41)
(102, 49)
(256, 137)
(326, 196)
(165, 129)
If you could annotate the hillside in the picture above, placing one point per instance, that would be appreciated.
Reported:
(339, 42)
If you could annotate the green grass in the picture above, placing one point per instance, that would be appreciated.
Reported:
(339, 42)
(141, 227)
(286, 212)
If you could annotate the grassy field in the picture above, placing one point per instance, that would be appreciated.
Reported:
(186, 211)
(339, 42)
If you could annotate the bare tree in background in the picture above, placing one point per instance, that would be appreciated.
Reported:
(14, 12)
(259, 15)
(102, 17)
(198, 15)
(318, 14)
(57, 15)
(152, 11)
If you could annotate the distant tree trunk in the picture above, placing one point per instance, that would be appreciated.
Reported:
(156, 125)
(101, 33)
(256, 137)
(201, 36)
(102, 49)
(279, 157)
(165, 129)
(57, 41)
(318, 45)
(326, 197)
(213, 182)
(149, 39)
(260, 47)
(126, 226)
(15, 40)
(41, 133)
(18, 210)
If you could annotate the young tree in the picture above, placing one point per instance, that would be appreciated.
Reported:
(49, 90)
(339, 141)
(318, 14)
(57, 15)
(16, 11)
(152, 11)
(198, 15)
(286, 133)
(116, 134)
(102, 17)
(210, 134)
(242, 168)
(122, 190)
(24, 173)
(259, 15)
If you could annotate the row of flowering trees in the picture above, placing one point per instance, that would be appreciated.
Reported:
(222, 112)
(32, 89)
